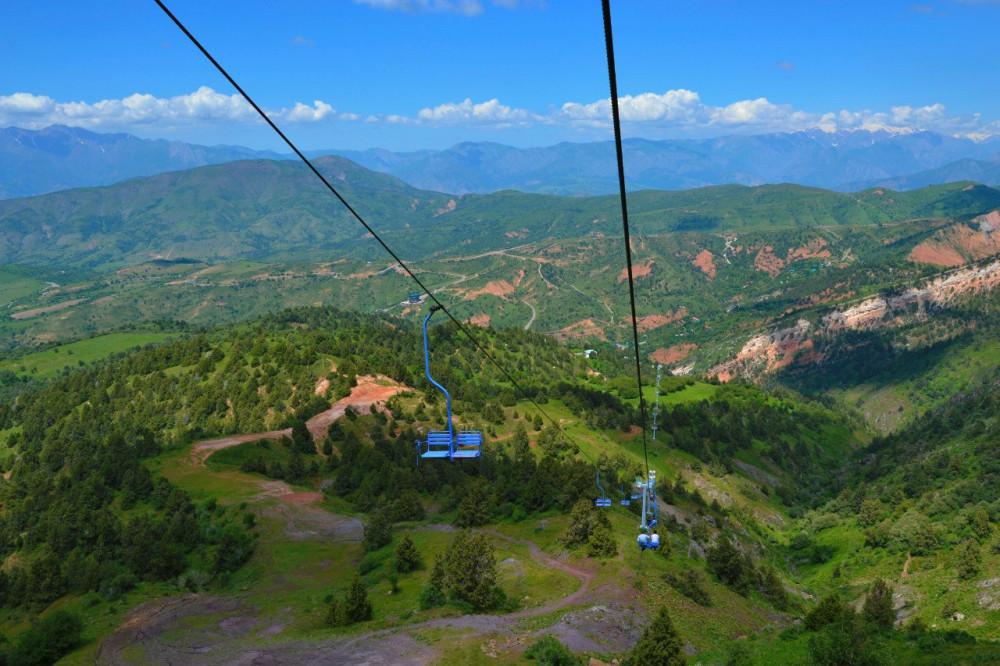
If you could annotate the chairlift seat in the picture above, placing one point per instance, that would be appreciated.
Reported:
(602, 502)
(469, 438)
(437, 444)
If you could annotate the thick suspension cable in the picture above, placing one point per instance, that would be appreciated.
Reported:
(464, 329)
(616, 120)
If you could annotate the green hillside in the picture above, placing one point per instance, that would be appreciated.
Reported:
(273, 531)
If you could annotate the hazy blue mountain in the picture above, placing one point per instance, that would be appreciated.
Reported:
(986, 172)
(837, 160)
(58, 157)
(36, 162)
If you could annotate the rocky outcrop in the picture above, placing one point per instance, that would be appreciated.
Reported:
(768, 352)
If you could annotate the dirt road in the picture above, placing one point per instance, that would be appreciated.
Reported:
(370, 391)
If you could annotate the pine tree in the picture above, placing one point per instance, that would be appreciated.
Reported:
(407, 556)
(378, 530)
(471, 571)
(432, 595)
(580, 523)
(602, 544)
(302, 440)
(969, 560)
(660, 645)
(878, 611)
(357, 607)
(474, 509)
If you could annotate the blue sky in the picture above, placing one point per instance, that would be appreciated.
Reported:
(408, 74)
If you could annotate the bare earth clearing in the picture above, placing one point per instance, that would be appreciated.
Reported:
(369, 392)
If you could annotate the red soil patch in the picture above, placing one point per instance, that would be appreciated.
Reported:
(585, 328)
(302, 498)
(670, 355)
(499, 288)
(369, 392)
(706, 263)
(651, 322)
(814, 249)
(361, 276)
(960, 243)
(767, 262)
(481, 319)
(936, 254)
(638, 271)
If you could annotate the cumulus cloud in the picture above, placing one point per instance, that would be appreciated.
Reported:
(683, 111)
(490, 112)
(677, 112)
(202, 106)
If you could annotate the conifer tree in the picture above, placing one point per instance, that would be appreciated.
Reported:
(433, 595)
(969, 560)
(378, 530)
(660, 644)
(878, 611)
(302, 440)
(580, 523)
(471, 571)
(357, 607)
(474, 509)
(407, 556)
(602, 543)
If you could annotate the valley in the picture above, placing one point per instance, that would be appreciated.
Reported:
(242, 388)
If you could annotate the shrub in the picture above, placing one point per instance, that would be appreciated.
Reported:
(548, 651)
(691, 585)
(46, 642)
(878, 611)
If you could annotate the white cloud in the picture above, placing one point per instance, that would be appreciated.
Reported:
(202, 106)
(683, 112)
(300, 113)
(490, 112)
(675, 113)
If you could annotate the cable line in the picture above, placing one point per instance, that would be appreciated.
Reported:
(351, 210)
(613, 82)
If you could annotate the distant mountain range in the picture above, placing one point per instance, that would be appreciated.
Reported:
(846, 161)
(56, 158)
(986, 172)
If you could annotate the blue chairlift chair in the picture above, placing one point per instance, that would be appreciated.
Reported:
(603, 501)
(449, 444)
